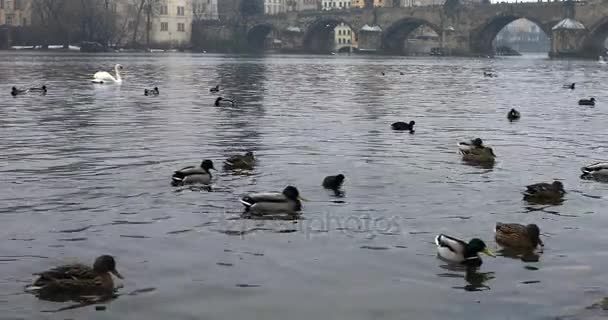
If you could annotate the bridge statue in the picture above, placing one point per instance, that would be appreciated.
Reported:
(576, 29)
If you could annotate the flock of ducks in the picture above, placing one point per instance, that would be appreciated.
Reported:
(77, 279)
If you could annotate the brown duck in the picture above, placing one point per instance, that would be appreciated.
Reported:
(77, 279)
(545, 192)
(518, 236)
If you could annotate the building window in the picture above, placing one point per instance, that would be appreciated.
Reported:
(181, 11)
(8, 19)
(164, 26)
(18, 5)
(164, 10)
(181, 27)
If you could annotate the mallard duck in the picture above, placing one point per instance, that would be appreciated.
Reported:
(489, 74)
(513, 115)
(404, 126)
(458, 251)
(243, 162)
(333, 182)
(151, 92)
(518, 236)
(475, 151)
(193, 175)
(223, 102)
(77, 279)
(215, 89)
(586, 102)
(544, 192)
(42, 89)
(570, 86)
(16, 92)
(597, 170)
(289, 202)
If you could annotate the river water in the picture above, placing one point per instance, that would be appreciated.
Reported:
(86, 170)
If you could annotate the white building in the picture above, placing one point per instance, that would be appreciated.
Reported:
(303, 5)
(205, 9)
(344, 37)
(273, 7)
(15, 12)
(172, 27)
(336, 4)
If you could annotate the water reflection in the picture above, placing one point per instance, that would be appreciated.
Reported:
(523, 255)
(475, 280)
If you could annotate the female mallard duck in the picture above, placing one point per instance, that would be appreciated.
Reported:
(586, 102)
(15, 92)
(475, 151)
(193, 175)
(544, 192)
(243, 162)
(596, 171)
(215, 89)
(333, 182)
(402, 126)
(77, 279)
(289, 202)
(513, 115)
(518, 236)
(570, 86)
(458, 251)
(151, 92)
(223, 102)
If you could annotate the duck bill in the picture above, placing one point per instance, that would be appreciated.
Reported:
(117, 274)
(489, 252)
(302, 199)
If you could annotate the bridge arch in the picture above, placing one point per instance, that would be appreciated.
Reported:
(319, 34)
(395, 35)
(257, 35)
(594, 44)
(483, 37)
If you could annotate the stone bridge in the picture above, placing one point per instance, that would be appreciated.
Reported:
(462, 29)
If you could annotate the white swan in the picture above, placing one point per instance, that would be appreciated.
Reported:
(601, 60)
(105, 77)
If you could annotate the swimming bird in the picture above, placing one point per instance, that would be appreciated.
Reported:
(404, 126)
(586, 102)
(475, 151)
(215, 89)
(77, 279)
(383, 73)
(333, 182)
(570, 86)
(243, 162)
(103, 77)
(489, 74)
(42, 89)
(513, 115)
(223, 102)
(15, 92)
(151, 92)
(518, 236)
(288, 202)
(193, 175)
(597, 170)
(457, 251)
(545, 192)
(401, 73)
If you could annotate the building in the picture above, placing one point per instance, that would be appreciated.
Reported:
(344, 37)
(273, 7)
(303, 5)
(376, 3)
(205, 10)
(16, 13)
(336, 4)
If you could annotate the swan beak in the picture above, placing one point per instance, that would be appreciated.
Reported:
(302, 199)
(489, 252)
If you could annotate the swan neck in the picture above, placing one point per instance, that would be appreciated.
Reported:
(118, 78)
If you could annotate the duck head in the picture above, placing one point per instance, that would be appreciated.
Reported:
(105, 264)
(534, 234)
(14, 91)
(249, 154)
(592, 99)
(44, 88)
(292, 193)
(207, 165)
(475, 246)
(412, 123)
(477, 142)
(558, 185)
(340, 178)
(156, 89)
(218, 100)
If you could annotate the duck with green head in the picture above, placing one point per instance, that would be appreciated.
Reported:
(455, 250)
(288, 202)
(193, 175)
(77, 279)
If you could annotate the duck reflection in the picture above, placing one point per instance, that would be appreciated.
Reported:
(475, 280)
(520, 254)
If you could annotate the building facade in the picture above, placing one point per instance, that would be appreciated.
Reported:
(274, 7)
(336, 4)
(375, 3)
(344, 37)
(303, 5)
(205, 10)
(15, 13)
